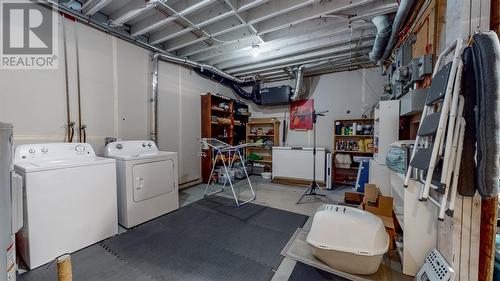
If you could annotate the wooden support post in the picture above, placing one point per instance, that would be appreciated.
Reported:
(495, 16)
(489, 209)
(64, 271)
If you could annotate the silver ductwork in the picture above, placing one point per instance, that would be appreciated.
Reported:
(299, 78)
(404, 9)
(213, 69)
(154, 94)
(383, 25)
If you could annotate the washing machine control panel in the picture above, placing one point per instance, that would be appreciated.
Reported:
(53, 151)
(130, 148)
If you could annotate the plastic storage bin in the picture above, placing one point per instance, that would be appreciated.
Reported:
(223, 178)
(348, 239)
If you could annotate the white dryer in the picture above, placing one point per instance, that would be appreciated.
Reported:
(69, 199)
(147, 181)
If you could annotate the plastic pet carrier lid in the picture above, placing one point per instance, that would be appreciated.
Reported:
(347, 229)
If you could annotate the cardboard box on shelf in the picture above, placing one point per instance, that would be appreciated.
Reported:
(354, 198)
(380, 206)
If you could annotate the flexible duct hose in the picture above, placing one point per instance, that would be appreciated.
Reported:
(383, 32)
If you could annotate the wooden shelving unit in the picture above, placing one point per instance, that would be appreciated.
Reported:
(353, 143)
(221, 118)
(270, 128)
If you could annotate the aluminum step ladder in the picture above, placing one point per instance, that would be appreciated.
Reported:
(438, 137)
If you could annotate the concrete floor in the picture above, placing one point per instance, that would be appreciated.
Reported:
(278, 196)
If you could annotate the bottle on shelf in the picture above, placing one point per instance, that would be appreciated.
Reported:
(338, 128)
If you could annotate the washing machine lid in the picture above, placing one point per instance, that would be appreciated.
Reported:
(135, 150)
(53, 156)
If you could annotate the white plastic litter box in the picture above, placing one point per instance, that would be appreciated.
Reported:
(348, 239)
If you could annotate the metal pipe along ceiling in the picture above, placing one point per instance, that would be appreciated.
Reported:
(203, 67)
(404, 9)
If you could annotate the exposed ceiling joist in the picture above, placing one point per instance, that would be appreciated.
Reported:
(341, 55)
(130, 11)
(333, 69)
(158, 20)
(271, 10)
(93, 6)
(311, 13)
(293, 35)
(233, 4)
(289, 47)
(267, 38)
(304, 47)
(319, 55)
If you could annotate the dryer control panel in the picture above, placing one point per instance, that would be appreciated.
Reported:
(130, 148)
(53, 152)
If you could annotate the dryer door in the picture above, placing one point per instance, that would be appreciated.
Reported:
(153, 179)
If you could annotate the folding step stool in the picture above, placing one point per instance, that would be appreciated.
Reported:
(434, 152)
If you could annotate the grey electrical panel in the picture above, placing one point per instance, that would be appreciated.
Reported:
(405, 71)
(424, 65)
(413, 102)
(403, 56)
(420, 67)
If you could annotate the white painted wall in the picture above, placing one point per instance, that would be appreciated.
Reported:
(115, 85)
(179, 115)
(115, 92)
(464, 18)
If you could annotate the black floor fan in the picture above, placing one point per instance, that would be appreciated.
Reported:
(311, 190)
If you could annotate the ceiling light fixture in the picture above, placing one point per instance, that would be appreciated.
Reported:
(255, 50)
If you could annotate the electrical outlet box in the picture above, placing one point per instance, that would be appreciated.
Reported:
(424, 65)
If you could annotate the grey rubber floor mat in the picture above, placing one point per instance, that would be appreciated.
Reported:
(207, 240)
(92, 263)
(304, 272)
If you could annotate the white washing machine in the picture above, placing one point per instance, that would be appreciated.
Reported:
(69, 199)
(147, 181)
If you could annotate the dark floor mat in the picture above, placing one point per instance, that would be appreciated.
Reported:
(92, 263)
(304, 272)
(207, 240)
